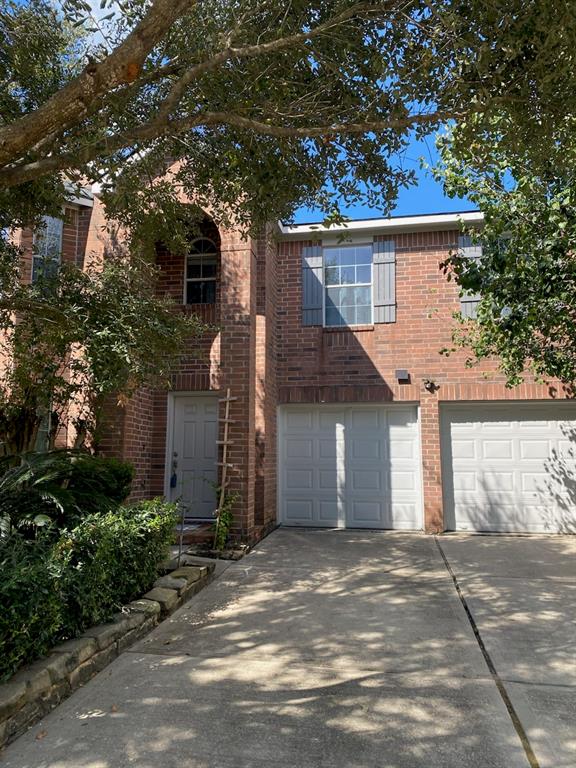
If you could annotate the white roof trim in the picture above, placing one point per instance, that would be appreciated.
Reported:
(436, 221)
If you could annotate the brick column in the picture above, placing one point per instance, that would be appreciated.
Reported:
(266, 387)
(238, 363)
(431, 463)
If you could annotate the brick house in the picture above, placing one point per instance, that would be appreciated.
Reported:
(345, 412)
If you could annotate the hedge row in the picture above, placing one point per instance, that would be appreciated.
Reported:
(53, 590)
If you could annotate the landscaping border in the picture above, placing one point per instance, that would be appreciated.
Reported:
(32, 692)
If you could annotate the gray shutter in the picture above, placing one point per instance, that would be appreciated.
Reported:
(384, 281)
(469, 301)
(312, 285)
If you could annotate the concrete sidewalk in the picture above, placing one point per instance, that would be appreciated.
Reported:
(318, 650)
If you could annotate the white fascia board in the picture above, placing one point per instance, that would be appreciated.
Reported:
(79, 195)
(429, 222)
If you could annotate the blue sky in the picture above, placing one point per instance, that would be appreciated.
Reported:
(425, 197)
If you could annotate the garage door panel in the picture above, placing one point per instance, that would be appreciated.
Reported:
(360, 467)
(403, 515)
(328, 512)
(330, 421)
(403, 449)
(299, 479)
(535, 449)
(299, 510)
(329, 449)
(497, 449)
(366, 481)
(510, 474)
(406, 418)
(299, 420)
(296, 449)
(369, 419)
(368, 513)
(369, 448)
(328, 479)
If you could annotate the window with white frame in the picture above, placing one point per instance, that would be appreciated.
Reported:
(348, 285)
(201, 268)
(47, 248)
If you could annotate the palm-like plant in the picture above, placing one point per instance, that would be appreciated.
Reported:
(57, 488)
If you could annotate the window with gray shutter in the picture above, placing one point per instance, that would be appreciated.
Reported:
(312, 285)
(384, 281)
(469, 301)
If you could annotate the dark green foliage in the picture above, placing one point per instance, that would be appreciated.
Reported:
(31, 615)
(97, 482)
(57, 489)
(527, 275)
(110, 559)
(54, 590)
(224, 519)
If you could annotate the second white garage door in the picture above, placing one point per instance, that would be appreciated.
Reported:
(510, 467)
(355, 467)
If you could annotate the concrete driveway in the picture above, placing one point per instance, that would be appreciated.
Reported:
(343, 650)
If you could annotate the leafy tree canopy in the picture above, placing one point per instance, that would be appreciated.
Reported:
(266, 105)
(527, 275)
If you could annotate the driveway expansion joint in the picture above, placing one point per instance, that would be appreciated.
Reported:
(516, 722)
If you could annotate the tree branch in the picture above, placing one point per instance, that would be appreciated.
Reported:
(260, 49)
(76, 99)
(12, 176)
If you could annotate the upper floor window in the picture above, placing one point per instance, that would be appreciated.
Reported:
(201, 266)
(348, 285)
(47, 253)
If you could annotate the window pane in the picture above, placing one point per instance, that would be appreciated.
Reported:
(194, 293)
(363, 315)
(348, 315)
(347, 275)
(330, 257)
(201, 292)
(209, 292)
(332, 276)
(202, 245)
(194, 269)
(333, 297)
(362, 296)
(333, 317)
(363, 274)
(363, 255)
(209, 269)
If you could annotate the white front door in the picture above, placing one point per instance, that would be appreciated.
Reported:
(192, 455)
(510, 467)
(354, 466)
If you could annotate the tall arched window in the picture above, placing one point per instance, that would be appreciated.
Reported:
(201, 265)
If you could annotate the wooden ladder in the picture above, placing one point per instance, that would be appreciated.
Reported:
(225, 464)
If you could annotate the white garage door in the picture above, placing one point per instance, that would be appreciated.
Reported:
(510, 467)
(355, 467)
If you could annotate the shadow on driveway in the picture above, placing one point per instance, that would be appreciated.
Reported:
(330, 649)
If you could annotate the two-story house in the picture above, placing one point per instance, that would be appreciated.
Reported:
(344, 412)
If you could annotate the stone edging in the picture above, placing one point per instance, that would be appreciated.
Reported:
(34, 691)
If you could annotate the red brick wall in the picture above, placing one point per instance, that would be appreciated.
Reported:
(266, 387)
(328, 365)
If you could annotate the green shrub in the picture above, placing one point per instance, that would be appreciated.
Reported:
(110, 559)
(99, 484)
(52, 590)
(57, 489)
(31, 614)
